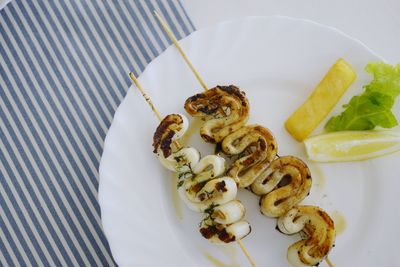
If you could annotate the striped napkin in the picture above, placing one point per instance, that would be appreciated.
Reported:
(64, 66)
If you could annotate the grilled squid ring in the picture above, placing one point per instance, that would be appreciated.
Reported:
(259, 148)
(224, 223)
(219, 233)
(224, 108)
(319, 232)
(170, 129)
(228, 213)
(215, 192)
(285, 183)
(201, 187)
(204, 189)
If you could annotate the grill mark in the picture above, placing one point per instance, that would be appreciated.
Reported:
(221, 186)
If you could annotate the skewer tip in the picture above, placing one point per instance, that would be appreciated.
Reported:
(135, 81)
(148, 100)
(132, 76)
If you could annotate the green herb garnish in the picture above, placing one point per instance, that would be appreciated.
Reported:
(180, 183)
(208, 219)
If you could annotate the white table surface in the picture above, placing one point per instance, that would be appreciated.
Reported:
(376, 23)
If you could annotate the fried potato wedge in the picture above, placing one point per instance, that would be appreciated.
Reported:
(321, 101)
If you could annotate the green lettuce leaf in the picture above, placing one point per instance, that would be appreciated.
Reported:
(373, 107)
(386, 78)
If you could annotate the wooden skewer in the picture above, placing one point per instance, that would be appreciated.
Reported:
(148, 100)
(328, 261)
(246, 252)
(175, 41)
(153, 108)
(146, 97)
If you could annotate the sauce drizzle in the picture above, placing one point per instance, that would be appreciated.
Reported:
(340, 222)
(216, 262)
(176, 202)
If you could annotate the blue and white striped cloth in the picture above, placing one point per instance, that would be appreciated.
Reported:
(64, 66)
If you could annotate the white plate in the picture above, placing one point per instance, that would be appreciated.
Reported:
(277, 61)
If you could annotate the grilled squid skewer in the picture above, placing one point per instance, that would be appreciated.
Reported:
(201, 188)
(319, 232)
(259, 148)
(225, 109)
(285, 183)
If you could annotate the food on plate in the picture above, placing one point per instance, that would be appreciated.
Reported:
(224, 108)
(256, 147)
(373, 107)
(352, 145)
(324, 97)
(172, 128)
(282, 182)
(202, 186)
(319, 234)
(285, 183)
(224, 223)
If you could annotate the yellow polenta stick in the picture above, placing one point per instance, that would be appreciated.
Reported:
(324, 97)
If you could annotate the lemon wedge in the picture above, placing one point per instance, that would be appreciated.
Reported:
(352, 145)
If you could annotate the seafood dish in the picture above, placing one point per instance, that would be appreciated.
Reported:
(207, 186)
